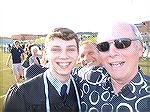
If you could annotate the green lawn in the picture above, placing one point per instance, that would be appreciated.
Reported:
(145, 64)
(7, 79)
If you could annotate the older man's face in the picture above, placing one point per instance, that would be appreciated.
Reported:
(122, 64)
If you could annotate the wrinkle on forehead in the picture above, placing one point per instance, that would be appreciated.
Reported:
(114, 31)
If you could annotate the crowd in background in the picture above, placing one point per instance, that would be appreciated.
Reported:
(23, 57)
(35, 55)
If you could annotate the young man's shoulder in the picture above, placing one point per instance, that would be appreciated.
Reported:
(34, 80)
(33, 83)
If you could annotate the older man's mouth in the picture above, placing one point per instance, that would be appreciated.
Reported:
(117, 64)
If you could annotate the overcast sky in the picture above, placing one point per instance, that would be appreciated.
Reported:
(39, 16)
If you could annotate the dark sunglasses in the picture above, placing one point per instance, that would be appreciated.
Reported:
(119, 44)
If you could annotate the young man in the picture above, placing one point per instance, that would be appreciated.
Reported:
(55, 90)
(16, 53)
(126, 88)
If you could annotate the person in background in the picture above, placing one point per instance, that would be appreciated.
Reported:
(36, 56)
(88, 59)
(17, 55)
(44, 60)
(9, 47)
(34, 63)
(36, 67)
(28, 50)
(126, 87)
(88, 54)
(55, 90)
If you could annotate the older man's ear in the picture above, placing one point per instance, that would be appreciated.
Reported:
(141, 50)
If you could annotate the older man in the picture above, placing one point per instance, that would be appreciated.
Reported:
(126, 88)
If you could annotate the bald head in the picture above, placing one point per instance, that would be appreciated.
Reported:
(118, 30)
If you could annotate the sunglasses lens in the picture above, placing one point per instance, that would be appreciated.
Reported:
(122, 43)
(119, 43)
(103, 47)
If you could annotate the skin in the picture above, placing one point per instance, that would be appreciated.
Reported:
(62, 57)
(122, 64)
(88, 55)
(35, 53)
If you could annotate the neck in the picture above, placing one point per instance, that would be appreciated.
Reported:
(118, 84)
(61, 77)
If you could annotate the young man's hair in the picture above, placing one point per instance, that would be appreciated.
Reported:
(64, 34)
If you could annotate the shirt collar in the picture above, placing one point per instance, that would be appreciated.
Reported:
(56, 83)
(134, 87)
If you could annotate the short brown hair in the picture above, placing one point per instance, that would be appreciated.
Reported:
(64, 34)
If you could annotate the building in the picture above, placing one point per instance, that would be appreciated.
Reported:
(144, 28)
(24, 37)
(5, 40)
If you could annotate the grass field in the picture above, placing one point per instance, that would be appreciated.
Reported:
(7, 79)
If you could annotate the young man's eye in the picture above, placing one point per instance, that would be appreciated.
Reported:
(56, 50)
(71, 49)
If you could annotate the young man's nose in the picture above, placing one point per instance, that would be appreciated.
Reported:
(63, 54)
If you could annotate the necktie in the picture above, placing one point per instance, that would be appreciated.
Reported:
(38, 59)
(63, 93)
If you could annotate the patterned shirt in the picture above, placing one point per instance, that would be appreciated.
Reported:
(100, 97)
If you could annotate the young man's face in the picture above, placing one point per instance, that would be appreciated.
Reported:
(62, 56)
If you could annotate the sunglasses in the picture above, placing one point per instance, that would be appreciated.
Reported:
(119, 44)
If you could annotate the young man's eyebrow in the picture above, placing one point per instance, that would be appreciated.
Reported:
(66, 46)
(72, 46)
(56, 46)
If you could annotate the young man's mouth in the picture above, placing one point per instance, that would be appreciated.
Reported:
(63, 64)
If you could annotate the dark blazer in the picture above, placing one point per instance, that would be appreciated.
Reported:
(30, 97)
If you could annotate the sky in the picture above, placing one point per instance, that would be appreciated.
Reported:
(40, 16)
